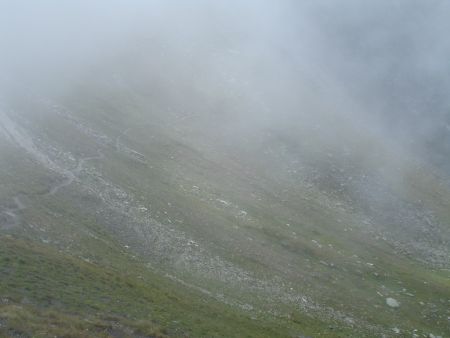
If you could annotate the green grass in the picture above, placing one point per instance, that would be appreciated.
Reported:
(40, 285)
(48, 287)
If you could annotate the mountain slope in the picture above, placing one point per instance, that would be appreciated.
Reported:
(276, 232)
(233, 169)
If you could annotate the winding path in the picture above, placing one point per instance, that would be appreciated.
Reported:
(12, 214)
(124, 133)
(72, 174)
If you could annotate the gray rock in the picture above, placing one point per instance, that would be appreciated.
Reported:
(392, 302)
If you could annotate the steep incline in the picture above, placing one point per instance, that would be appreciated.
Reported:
(278, 231)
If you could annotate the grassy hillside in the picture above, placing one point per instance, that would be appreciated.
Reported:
(46, 292)
(121, 217)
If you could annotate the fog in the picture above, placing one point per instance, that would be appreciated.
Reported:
(208, 167)
(376, 67)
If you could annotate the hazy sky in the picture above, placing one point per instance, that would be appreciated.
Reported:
(379, 63)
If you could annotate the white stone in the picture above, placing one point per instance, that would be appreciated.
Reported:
(392, 302)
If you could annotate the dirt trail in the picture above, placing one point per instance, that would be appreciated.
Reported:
(118, 142)
(11, 216)
(130, 152)
(71, 175)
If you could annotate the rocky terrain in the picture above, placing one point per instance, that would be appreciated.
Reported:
(274, 230)
(221, 183)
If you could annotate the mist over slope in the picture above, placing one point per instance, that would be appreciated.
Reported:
(234, 168)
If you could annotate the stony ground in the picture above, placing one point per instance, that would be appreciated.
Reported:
(123, 216)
